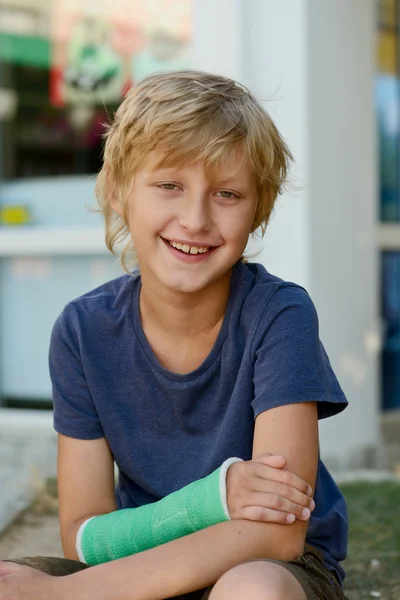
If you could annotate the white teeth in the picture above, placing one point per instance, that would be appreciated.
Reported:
(189, 249)
(176, 245)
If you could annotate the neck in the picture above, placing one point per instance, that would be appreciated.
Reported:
(182, 314)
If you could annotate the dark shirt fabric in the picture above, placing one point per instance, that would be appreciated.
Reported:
(166, 430)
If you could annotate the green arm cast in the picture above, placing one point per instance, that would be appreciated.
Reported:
(129, 531)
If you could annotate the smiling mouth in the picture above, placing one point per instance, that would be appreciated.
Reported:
(188, 249)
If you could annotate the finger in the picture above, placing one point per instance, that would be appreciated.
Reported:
(286, 491)
(280, 504)
(272, 460)
(266, 515)
(283, 476)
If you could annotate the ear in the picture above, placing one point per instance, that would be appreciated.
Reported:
(113, 201)
(109, 191)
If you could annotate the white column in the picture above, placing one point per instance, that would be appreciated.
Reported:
(343, 211)
(276, 71)
(312, 65)
(218, 36)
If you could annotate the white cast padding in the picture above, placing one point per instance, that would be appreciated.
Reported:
(79, 550)
(222, 482)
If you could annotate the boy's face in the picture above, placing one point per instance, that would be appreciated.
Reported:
(189, 227)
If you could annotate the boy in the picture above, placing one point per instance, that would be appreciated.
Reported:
(200, 375)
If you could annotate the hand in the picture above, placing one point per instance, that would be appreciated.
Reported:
(18, 582)
(261, 490)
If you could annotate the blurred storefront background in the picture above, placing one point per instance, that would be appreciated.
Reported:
(65, 67)
(329, 73)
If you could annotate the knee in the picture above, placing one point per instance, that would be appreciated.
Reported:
(251, 581)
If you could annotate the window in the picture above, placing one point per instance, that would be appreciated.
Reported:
(68, 65)
(388, 112)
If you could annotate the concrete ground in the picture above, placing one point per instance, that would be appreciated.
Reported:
(28, 449)
(31, 535)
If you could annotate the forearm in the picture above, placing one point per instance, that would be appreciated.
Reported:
(186, 564)
(123, 533)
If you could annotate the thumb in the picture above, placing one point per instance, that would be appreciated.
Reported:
(272, 460)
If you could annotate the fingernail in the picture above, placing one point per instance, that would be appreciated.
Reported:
(290, 518)
(306, 513)
(312, 505)
(309, 491)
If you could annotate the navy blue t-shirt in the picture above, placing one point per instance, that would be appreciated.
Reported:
(166, 430)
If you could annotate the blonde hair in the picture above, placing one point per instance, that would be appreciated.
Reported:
(188, 116)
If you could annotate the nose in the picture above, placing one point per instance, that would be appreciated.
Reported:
(195, 213)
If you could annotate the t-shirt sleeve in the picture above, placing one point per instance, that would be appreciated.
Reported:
(75, 414)
(291, 364)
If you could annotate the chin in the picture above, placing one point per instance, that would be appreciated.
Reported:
(186, 285)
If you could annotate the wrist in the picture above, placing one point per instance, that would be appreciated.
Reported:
(94, 583)
(65, 588)
(82, 585)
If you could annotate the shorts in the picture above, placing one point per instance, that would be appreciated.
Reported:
(318, 582)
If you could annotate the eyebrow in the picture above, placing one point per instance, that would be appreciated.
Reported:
(232, 179)
(163, 170)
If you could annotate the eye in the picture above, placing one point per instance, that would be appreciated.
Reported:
(169, 186)
(228, 195)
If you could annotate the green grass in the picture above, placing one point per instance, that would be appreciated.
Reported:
(373, 563)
